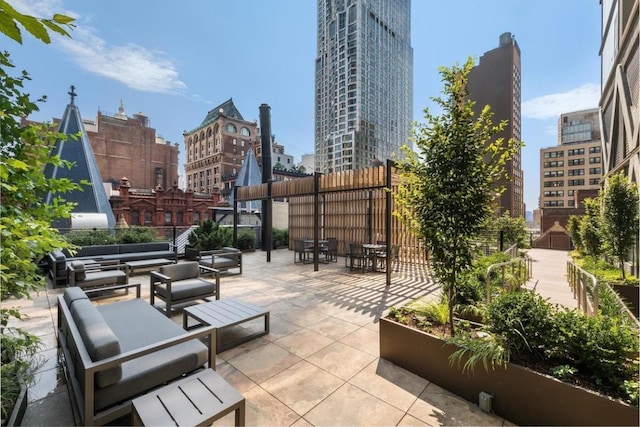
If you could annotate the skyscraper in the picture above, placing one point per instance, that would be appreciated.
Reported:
(495, 81)
(364, 82)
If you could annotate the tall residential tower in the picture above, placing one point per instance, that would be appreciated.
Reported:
(364, 82)
(495, 81)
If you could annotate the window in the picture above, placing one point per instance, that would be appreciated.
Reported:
(593, 150)
(576, 162)
(576, 152)
(554, 164)
(245, 132)
(196, 217)
(551, 174)
(554, 203)
(593, 171)
(552, 154)
(594, 181)
(148, 218)
(594, 160)
(575, 182)
(576, 172)
(167, 217)
(556, 193)
(554, 183)
(135, 218)
(231, 128)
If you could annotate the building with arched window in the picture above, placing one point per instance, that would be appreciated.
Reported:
(217, 148)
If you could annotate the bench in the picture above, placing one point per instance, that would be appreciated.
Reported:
(114, 353)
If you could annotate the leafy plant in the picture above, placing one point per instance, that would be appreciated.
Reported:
(90, 237)
(137, 234)
(563, 372)
(210, 235)
(573, 226)
(246, 240)
(489, 349)
(280, 237)
(620, 216)
(590, 235)
(447, 191)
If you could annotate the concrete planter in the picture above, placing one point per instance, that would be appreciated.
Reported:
(520, 395)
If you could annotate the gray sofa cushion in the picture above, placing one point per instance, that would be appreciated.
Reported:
(187, 288)
(78, 269)
(232, 250)
(73, 294)
(102, 278)
(155, 369)
(97, 250)
(184, 270)
(98, 338)
(126, 248)
(220, 262)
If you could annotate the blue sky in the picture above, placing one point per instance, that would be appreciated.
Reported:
(175, 60)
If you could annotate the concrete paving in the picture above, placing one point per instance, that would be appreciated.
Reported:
(549, 270)
(320, 363)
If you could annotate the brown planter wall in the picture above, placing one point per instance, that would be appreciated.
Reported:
(630, 295)
(519, 394)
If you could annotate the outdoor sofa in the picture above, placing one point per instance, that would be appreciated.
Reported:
(57, 261)
(116, 352)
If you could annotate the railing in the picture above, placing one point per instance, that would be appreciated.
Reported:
(583, 285)
(520, 272)
(579, 281)
(512, 250)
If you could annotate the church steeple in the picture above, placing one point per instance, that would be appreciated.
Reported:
(94, 198)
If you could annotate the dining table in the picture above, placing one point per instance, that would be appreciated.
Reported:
(372, 250)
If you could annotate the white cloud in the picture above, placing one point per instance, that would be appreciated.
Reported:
(552, 106)
(130, 64)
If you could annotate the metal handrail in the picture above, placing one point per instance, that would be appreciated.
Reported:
(578, 280)
(525, 261)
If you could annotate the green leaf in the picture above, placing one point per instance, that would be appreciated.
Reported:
(35, 27)
(9, 28)
(63, 19)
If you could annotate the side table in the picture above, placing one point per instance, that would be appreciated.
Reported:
(199, 399)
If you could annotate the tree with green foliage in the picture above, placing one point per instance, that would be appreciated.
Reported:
(590, 235)
(514, 230)
(573, 226)
(11, 20)
(449, 187)
(25, 220)
(620, 217)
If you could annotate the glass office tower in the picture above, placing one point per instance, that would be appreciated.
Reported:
(364, 82)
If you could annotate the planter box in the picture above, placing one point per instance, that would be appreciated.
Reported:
(631, 296)
(520, 395)
(16, 416)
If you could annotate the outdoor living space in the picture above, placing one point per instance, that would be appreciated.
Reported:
(318, 365)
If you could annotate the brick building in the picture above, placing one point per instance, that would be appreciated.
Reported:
(129, 147)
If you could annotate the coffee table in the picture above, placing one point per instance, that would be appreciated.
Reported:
(225, 313)
(147, 263)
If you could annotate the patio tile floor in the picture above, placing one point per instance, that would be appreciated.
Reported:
(319, 365)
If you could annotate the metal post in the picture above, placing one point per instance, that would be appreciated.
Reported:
(388, 207)
(235, 217)
(316, 219)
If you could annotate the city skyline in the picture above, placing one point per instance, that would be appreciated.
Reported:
(172, 65)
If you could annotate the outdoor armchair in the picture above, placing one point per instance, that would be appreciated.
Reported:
(181, 283)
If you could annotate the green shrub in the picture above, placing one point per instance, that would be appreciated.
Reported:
(90, 237)
(523, 318)
(210, 235)
(280, 237)
(136, 234)
(246, 240)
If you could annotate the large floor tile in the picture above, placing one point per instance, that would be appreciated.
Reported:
(263, 362)
(341, 360)
(302, 386)
(363, 339)
(332, 327)
(351, 406)
(262, 409)
(303, 342)
(437, 406)
(390, 383)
